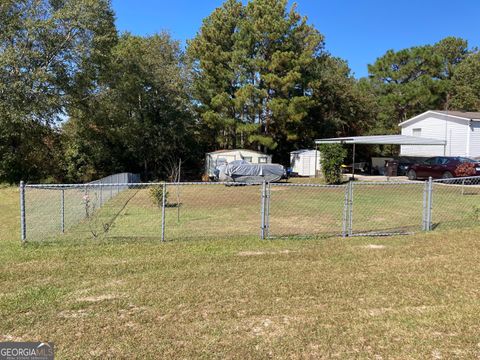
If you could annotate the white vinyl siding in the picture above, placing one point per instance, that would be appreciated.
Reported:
(475, 139)
(302, 162)
(453, 130)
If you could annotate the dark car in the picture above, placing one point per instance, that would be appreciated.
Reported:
(405, 162)
(440, 167)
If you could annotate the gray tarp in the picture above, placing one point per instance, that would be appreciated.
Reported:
(243, 171)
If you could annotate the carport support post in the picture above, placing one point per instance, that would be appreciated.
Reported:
(23, 226)
(164, 195)
(353, 165)
(62, 211)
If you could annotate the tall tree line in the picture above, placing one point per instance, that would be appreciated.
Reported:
(79, 101)
(262, 79)
(442, 76)
(50, 52)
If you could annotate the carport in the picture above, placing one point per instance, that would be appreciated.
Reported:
(379, 140)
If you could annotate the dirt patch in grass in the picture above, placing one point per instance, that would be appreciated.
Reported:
(269, 327)
(73, 314)
(258, 253)
(374, 246)
(93, 299)
(10, 338)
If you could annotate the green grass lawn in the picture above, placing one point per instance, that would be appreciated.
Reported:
(406, 297)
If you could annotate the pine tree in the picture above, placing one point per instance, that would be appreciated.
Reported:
(251, 66)
(215, 76)
(275, 48)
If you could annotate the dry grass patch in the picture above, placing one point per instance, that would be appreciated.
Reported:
(415, 297)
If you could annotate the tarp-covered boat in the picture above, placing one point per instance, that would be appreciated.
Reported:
(245, 172)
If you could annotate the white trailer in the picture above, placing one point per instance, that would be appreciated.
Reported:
(221, 157)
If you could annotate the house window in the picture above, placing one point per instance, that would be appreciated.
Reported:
(262, 160)
(417, 132)
(247, 158)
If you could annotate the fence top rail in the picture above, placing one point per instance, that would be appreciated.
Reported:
(97, 185)
(309, 185)
(211, 183)
(386, 183)
(457, 179)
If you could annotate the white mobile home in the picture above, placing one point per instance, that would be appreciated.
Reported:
(460, 131)
(220, 157)
(303, 162)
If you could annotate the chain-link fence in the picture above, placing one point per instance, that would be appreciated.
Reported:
(60, 208)
(171, 211)
(455, 202)
(305, 210)
(386, 207)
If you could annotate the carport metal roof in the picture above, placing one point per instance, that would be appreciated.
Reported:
(382, 140)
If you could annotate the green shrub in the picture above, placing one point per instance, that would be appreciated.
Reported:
(156, 194)
(331, 159)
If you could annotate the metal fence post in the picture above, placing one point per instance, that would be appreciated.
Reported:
(350, 210)
(62, 211)
(345, 211)
(425, 204)
(267, 211)
(86, 201)
(429, 204)
(262, 212)
(164, 195)
(23, 224)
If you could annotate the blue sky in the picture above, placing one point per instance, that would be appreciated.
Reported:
(358, 31)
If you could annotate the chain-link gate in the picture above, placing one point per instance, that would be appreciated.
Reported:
(306, 210)
(385, 208)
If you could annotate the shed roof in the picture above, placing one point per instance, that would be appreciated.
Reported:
(302, 151)
(236, 150)
(472, 115)
(382, 140)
